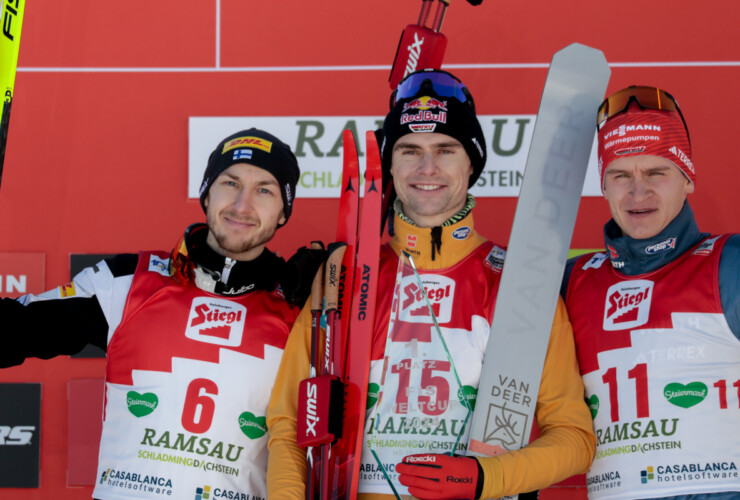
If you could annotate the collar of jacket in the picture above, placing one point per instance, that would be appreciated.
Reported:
(454, 242)
(195, 260)
(632, 257)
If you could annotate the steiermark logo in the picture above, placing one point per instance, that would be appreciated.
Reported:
(593, 405)
(467, 392)
(687, 395)
(141, 405)
(252, 426)
(373, 391)
(647, 474)
(203, 493)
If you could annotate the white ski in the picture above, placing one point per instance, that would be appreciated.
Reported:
(537, 251)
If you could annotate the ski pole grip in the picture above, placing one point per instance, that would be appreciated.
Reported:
(332, 274)
(317, 291)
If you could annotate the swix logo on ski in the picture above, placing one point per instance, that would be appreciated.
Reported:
(628, 304)
(248, 142)
(440, 291)
(414, 53)
(661, 246)
(623, 129)
(682, 156)
(216, 321)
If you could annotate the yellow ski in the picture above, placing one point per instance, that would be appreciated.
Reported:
(12, 20)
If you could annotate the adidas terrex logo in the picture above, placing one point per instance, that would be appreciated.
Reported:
(312, 417)
(414, 53)
(682, 156)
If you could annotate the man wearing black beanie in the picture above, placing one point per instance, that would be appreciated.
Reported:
(432, 152)
(193, 337)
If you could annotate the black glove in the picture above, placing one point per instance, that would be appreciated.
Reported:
(298, 274)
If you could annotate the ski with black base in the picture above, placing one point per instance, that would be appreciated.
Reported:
(538, 248)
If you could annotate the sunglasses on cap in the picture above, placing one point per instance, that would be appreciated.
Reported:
(442, 83)
(645, 97)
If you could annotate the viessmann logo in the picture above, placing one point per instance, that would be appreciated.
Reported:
(627, 305)
(216, 321)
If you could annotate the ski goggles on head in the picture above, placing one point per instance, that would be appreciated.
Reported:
(442, 83)
(645, 97)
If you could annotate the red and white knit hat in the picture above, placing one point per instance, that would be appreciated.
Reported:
(638, 132)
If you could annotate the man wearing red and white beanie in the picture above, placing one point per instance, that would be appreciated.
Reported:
(656, 317)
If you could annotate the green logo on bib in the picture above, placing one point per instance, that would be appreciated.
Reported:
(141, 405)
(470, 392)
(373, 391)
(252, 427)
(687, 395)
(593, 405)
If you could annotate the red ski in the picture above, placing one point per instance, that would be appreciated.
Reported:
(332, 285)
(348, 450)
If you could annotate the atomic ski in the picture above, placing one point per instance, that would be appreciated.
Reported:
(332, 284)
(538, 247)
(357, 370)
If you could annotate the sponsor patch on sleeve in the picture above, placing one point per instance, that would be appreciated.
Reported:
(67, 290)
(159, 266)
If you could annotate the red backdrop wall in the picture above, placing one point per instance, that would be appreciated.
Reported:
(97, 152)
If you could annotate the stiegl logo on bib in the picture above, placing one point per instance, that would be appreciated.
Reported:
(628, 305)
(216, 321)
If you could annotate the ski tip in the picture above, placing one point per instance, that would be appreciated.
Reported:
(582, 52)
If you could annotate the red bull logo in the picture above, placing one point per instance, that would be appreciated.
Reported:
(424, 116)
(425, 103)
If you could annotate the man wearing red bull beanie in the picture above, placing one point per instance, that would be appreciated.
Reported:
(656, 317)
(432, 151)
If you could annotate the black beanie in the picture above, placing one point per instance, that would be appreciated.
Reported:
(261, 149)
(428, 112)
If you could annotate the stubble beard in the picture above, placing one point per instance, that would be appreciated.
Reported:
(231, 244)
